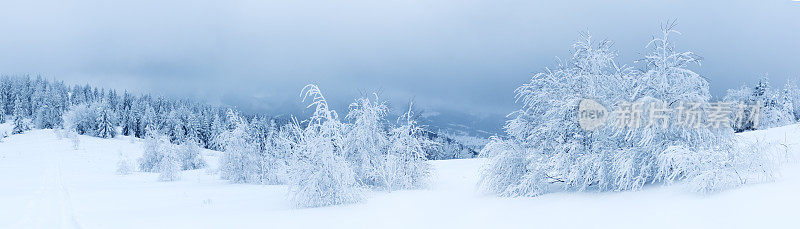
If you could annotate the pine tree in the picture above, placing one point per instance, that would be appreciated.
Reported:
(216, 129)
(105, 123)
(763, 107)
(6, 95)
(2, 106)
(762, 88)
(21, 124)
(127, 116)
(793, 95)
(147, 121)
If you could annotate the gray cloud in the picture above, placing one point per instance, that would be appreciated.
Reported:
(451, 55)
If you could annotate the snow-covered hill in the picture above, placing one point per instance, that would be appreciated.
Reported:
(48, 184)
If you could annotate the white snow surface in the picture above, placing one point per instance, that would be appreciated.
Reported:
(48, 184)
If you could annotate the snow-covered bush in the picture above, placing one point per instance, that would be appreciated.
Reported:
(406, 163)
(80, 119)
(507, 173)
(547, 147)
(124, 166)
(732, 165)
(5, 130)
(240, 161)
(385, 157)
(319, 174)
(189, 154)
(169, 167)
(163, 157)
(253, 152)
(154, 147)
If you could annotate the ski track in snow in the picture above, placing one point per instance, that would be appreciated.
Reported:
(51, 205)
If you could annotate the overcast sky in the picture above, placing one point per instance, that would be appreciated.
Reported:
(449, 55)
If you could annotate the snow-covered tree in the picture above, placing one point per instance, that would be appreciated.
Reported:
(80, 119)
(284, 143)
(406, 165)
(508, 174)
(127, 115)
(239, 163)
(189, 155)
(216, 129)
(154, 148)
(778, 110)
(745, 105)
(447, 147)
(105, 122)
(95, 119)
(554, 146)
(21, 124)
(367, 141)
(792, 93)
(2, 113)
(182, 125)
(169, 167)
(546, 146)
(762, 106)
(49, 107)
(271, 158)
(147, 122)
(319, 174)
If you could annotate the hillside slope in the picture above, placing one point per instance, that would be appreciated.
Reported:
(48, 184)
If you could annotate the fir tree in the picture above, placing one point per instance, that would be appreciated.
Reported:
(105, 123)
(21, 124)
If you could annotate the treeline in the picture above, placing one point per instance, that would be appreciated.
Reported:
(44, 104)
(775, 106)
(38, 103)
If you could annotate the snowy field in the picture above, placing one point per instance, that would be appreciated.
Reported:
(48, 184)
